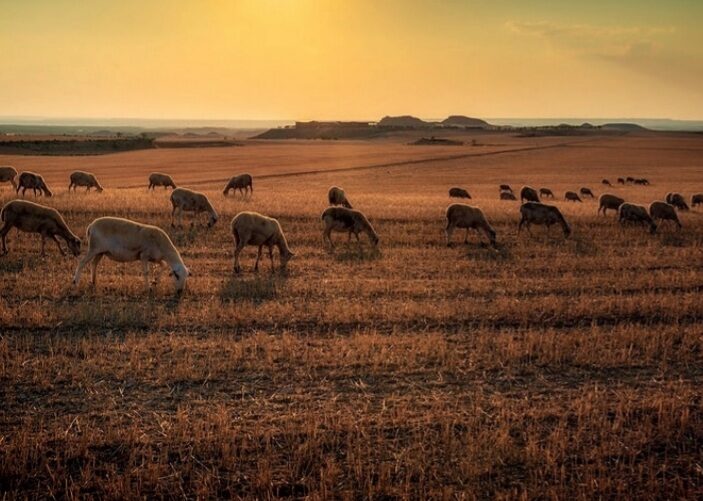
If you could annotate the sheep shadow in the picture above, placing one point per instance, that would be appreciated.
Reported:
(482, 251)
(256, 287)
(188, 234)
(356, 253)
(10, 264)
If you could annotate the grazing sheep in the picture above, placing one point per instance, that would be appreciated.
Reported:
(160, 179)
(507, 195)
(542, 214)
(351, 221)
(336, 196)
(8, 175)
(506, 187)
(34, 218)
(571, 196)
(470, 218)
(661, 211)
(637, 214)
(252, 228)
(629, 180)
(606, 182)
(187, 200)
(642, 181)
(126, 241)
(546, 192)
(608, 201)
(529, 194)
(586, 192)
(34, 182)
(677, 200)
(80, 178)
(244, 183)
(697, 200)
(458, 193)
(621, 180)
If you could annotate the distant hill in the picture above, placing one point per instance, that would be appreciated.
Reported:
(403, 121)
(623, 126)
(464, 121)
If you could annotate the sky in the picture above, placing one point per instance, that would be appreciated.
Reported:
(351, 59)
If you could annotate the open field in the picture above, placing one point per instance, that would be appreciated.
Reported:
(545, 368)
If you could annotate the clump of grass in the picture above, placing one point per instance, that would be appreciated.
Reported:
(257, 288)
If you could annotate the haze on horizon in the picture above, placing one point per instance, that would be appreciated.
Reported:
(333, 59)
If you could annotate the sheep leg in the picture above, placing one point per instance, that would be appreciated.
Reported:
(327, 237)
(145, 268)
(43, 244)
(271, 255)
(519, 226)
(237, 251)
(94, 271)
(83, 262)
(173, 212)
(258, 257)
(53, 237)
(466, 236)
(3, 233)
(448, 232)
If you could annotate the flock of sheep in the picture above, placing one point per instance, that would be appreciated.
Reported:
(124, 240)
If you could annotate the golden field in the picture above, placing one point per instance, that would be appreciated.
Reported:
(545, 368)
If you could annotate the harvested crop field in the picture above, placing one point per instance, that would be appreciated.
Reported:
(547, 367)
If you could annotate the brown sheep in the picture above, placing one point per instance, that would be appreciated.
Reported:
(30, 180)
(185, 200)
(529, 194)
(160, 179)
(637, 214)
(571, 196)
(677, 200)
(8, 175)
(506, 187)
(507, 195)
(542, 214)
(629, 180)
(621, 180)
(697, 200)
(606, 182)
(642, 181)
(252, 228)
(586, 192)
(126, 241)
(458, 193)
(244, 183)
(546, 192)
(351, 221)
(470, 218)
(336, 196)
(80, 178)
(608, 201)
(662, 211)
(34, 218)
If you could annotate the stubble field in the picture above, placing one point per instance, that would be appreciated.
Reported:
(544, 368)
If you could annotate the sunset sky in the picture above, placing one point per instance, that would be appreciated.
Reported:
(351, 59)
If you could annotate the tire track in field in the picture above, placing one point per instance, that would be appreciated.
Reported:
(402, 163)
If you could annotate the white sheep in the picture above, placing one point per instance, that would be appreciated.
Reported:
(349, 221)
(631, 213)
(34, 218)
(336, 196)
(609, 201)
(542, 214)
(87, 179)
(528, 193)
(30, 180)
(662, 211)
(8, 175)
(468, 217)
(185, 200)
(244, 183)
(160, 179)
(252, 228)
(126, 241)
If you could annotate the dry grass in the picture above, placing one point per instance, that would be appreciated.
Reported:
(546, 368)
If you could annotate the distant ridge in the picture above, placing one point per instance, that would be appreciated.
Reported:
(623, 126)
(403, 121)
(464, 121)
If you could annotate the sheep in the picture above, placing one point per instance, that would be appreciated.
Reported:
(629, 179)
(606, 182)
(458, 193)
(8, 175)
(546, 192)
(336, 196)
(252, 228)
(341, 219)
(80, 178)
(642, 181)
(659, 210)
(621, 180)
(529, 194)
(33, 181)
(631, 213)
(697, 199)
(468, 217)
(571, 196)
(608, 201)
(124, 241)
(543, 214)
(677, 200)
(586, 192)
(507, 195)
(506, 187)
(34, 218)
(160, 179)
(244, 183)
(187, 200)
